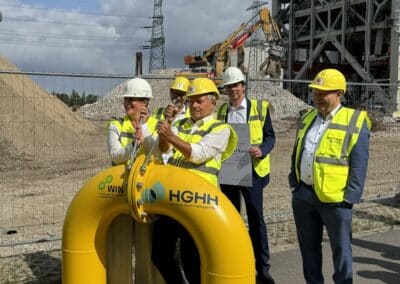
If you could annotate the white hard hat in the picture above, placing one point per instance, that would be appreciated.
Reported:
(232, 75)
(137, 88)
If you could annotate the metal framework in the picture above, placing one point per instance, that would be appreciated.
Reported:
(359, 37)
(256, 41)
(157, 41)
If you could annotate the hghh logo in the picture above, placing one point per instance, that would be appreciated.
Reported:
(190, 197)
(156, 192)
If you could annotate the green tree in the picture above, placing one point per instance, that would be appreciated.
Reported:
(74, 99)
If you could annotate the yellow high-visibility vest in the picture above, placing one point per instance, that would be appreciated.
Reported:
(331, 158)
(258, 112)
(126, 131)
(157, 115)
(209, 169)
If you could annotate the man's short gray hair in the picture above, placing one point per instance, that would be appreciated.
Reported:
(212, 97)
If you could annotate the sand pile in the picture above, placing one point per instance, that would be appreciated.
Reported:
(32, 120)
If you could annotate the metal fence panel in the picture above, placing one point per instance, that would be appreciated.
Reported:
(48, 151)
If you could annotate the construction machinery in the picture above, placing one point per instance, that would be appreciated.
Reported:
(230, 52)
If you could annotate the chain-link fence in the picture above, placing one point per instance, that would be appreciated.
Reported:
(51, 143)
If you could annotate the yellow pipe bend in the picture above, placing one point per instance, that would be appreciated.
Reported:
(221, 237)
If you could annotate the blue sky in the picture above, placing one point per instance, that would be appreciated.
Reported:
(103, 36)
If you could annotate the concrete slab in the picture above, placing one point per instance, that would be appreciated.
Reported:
(376, 260)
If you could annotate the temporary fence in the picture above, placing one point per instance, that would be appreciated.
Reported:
(48, 150)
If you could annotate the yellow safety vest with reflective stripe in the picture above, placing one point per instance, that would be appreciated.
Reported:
(258, 112)
(209, 169)
(331, 158)
(126, 131)
(159, 115)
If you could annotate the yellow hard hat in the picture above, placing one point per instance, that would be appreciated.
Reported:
(329, 80)
(202, 86)
(180, 84)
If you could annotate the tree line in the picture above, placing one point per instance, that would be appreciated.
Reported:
(74, 100)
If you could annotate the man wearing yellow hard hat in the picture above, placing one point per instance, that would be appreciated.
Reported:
(178, 105)
(177, 93)
(200, 144)
(329, 167)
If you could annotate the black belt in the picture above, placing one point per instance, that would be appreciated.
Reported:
(307, 186)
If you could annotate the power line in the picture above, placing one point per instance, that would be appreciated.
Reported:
(69, 11)
(66, 36)
(64, 44)
(53, 22)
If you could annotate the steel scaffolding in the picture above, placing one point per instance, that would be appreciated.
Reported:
(357, 37)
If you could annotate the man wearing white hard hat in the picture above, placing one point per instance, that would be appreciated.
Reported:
(124, 132)
(255, 113)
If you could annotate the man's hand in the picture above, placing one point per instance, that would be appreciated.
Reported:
(144, 114)
(138, 135)
(164, 130)
(255, 152)
(170, 112)
(136, 114)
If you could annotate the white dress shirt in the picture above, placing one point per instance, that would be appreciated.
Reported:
(311, 143)
(237, 114)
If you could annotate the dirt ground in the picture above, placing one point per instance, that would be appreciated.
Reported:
(36, 190)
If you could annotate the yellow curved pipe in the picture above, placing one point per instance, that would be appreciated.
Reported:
(221, 237)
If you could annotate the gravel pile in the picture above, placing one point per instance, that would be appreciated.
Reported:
(111, 104)
(284, 104)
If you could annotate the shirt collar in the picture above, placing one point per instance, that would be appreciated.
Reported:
(202, 121)
(243, 105)
(332, 113)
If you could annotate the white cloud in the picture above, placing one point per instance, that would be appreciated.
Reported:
(35, 40)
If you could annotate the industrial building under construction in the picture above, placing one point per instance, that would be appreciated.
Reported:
(358, 37)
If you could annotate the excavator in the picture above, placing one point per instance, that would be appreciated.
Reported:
(230, 52)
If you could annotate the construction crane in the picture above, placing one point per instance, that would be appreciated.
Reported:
(230, 52)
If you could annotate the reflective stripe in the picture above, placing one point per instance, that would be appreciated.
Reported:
(222, 112)
(126, 135)
(201, 133)
(188, 165)
(260, 116)
(332, 161)
(349, 129)
(352, 129)
(182, 122)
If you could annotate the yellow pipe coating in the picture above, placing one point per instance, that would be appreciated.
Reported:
(217, 228)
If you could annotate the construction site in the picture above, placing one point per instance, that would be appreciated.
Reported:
(49, 150)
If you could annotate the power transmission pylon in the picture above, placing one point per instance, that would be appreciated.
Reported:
(256, 41)
(157, 41)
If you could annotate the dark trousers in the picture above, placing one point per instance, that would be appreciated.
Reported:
(253, 198)
(311, 216)
(166, 234)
